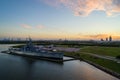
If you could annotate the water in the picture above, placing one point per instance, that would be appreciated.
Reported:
(20, 68)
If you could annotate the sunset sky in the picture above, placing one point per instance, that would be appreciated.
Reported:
(60, 19)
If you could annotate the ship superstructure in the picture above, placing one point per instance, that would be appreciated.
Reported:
(37, 51)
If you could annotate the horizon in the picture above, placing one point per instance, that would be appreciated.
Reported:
(60, 19)
(64, 39)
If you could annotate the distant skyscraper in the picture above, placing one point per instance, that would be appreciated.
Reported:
(110, 38)
(101, 40)
(106, 39)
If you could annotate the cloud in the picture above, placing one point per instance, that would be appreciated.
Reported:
(95, 36)
(29, 27)
(99, 36)
(40, 26)
(85, 7)
(26, 26)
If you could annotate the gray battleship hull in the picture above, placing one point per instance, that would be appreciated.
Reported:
(39, 55)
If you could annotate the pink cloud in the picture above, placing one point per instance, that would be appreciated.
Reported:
(40, 26)
(29, 27)
(85, 7)
(26, 26)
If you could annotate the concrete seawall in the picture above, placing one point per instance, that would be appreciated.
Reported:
(104, 69)
(100, 67)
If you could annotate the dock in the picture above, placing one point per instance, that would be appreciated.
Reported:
(70, 59)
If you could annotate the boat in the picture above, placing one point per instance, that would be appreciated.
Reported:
(35, 51)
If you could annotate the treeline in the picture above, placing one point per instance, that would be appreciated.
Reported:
(68, 43)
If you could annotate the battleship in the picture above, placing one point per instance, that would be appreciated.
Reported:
(35, 51)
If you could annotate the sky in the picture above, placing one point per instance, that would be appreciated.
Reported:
(60, 19)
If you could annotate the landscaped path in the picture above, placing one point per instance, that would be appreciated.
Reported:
(104, 57)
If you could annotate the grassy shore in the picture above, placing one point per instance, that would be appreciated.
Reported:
(102, 62)
(108, 51)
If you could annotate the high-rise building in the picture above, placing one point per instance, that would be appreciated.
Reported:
(101, 39)
(110, 38)
(106, 39)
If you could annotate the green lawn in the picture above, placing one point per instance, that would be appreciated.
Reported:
(109, 51)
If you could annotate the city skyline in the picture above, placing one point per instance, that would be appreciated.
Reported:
(60, 19)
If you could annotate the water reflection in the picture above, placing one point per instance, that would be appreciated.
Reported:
(21, 68)
(29, 64)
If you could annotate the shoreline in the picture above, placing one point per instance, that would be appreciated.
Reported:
(115, 74)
